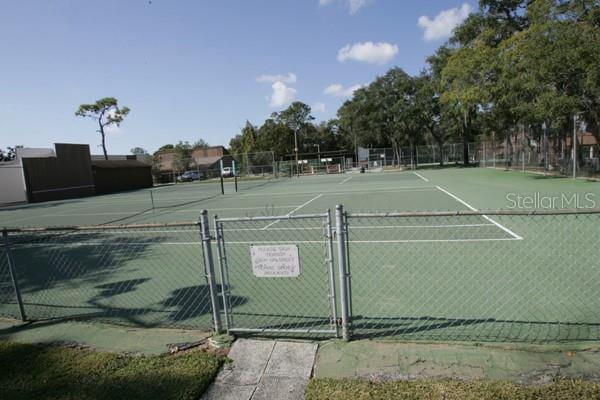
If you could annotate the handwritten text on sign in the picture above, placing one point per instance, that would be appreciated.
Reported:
(279, 261)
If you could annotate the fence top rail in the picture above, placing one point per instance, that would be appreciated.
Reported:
(569, 211)
(98, 227)
(271, 218)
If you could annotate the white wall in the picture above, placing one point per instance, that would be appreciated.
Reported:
(12, 184)
(29, 152)
(12, 180)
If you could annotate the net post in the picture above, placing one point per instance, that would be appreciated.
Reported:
(13, 276)
(221, 175)
(209, 269)
(152, 200)
(340, 229)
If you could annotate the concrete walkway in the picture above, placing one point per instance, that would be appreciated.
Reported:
(264, 369)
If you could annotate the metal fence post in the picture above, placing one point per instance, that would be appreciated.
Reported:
(330, 270)
(222, 275)
(340, 229)
(209, 269)
(13, 276)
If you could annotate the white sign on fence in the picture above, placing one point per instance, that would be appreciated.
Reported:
(275, 261)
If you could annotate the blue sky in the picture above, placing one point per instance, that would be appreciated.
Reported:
(198, 69)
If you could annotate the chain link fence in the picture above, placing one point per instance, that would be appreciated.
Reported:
(146, 276)
(545, 156)
(259, 164)
(467, 277)
(430, 155)
(507, 276)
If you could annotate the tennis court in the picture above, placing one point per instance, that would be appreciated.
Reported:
(424, 276)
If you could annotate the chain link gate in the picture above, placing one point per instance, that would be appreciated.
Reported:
(259, 298)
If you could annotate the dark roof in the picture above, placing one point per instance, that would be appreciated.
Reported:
(119, 164)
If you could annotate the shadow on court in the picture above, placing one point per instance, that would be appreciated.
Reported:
(474, 329)
(110, 277)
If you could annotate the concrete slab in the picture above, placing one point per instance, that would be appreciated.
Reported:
(219, 391)
(277, 387)
(292, 360)
(527, 364)
(249, 360)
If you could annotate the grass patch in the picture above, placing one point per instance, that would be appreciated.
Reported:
(359, 389)
(52, 372)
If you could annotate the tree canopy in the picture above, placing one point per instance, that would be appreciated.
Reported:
(511, 66)
(106, 112)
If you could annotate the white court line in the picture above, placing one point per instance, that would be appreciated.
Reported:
(80, 244)
(421, 176)
(433, 240)
(162, 212)
(346, 180)
(117, 231)
(141, 199)
(294, 210)
(295, 194)
(145, 232)
(83, 206)
(76, 244)
(97, 214)
(368, 227)
(5, 223)
(381, 241)
(505, 229)
(131, 232)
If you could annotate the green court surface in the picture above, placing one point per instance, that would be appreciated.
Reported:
(453, 277)
(481, 188)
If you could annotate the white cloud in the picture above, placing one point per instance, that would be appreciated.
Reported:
(290, 77)
(369, 52)
(282, 94)
(353, 5)
(441, 26)
(318, 107)
(337, 90)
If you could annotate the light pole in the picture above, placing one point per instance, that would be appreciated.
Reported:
(494, 149)
(296, 150)
(545, 129)
(318, 151)
(574, 146)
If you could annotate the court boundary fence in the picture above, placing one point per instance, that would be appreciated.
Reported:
(335, 239)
